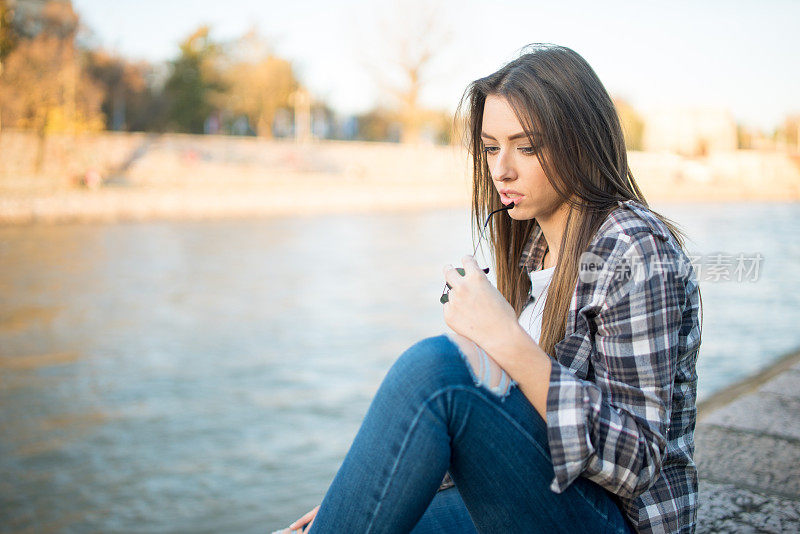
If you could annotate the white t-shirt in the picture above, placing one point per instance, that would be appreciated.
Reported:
(531, 317)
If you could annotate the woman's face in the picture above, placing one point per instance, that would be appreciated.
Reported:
(515, 170)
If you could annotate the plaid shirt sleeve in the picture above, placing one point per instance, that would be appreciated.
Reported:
(613, 428)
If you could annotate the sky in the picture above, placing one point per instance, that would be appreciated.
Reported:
(738, 55)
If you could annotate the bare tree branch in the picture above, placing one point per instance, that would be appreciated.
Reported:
(400, 57)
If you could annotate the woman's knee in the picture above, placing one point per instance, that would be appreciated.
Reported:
(440, 360)
(434, 358)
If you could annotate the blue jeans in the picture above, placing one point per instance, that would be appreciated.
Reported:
(430, 415)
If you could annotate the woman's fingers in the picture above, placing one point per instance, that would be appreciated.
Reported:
(455, 273)
(305, 519)
(470, 264)
(308, 528)
(453, 276)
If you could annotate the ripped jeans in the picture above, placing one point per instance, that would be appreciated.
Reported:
(483, 368)
(432, 414)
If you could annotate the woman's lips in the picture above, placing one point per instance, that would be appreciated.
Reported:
(506, 200)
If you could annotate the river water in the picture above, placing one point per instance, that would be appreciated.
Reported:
(210, 376)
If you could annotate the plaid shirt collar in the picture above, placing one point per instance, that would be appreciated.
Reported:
(536, 246)
(534, 249)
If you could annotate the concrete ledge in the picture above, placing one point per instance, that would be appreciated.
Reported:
(727, 509)
(750, 384)
(747, 451)
(761, 463)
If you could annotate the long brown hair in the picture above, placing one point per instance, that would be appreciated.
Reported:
(557, 95)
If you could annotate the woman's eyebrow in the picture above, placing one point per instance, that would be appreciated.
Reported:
(521, 135)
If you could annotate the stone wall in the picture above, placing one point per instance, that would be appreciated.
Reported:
(176, 176)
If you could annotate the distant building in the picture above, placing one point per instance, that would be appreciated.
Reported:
(689, 131)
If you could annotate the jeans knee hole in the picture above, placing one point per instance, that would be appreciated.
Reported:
(501, 390)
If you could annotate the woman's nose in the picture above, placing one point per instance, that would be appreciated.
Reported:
(502, 168)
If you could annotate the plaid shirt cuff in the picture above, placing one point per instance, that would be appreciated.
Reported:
(567, 430)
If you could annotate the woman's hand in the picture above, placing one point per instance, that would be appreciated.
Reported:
(297, 526)
(476, 309)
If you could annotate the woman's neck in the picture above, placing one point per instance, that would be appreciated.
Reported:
(553, 228)
(545, 263)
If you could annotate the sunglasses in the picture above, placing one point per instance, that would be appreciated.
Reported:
(445, 294)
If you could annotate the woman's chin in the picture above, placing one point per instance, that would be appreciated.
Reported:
(518, 214)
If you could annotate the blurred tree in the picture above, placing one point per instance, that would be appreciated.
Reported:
(259, 83)
(8, 38)
(323, 121)
(8, 34)
(744, 136)
(402, 56)
(131, 102)
(438, 125)
(44, 86)
(632, 124)
(788, 133)
(378, 124)
(195, 82)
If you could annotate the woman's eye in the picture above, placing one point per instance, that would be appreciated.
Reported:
(527, 150)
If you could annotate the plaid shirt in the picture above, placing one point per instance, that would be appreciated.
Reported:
(621, 404)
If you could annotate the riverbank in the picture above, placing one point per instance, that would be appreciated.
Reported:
(748, 453)
(175, 176)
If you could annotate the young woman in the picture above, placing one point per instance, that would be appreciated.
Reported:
(563, 400)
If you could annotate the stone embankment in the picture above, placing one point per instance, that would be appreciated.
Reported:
(183, 176)
(748, 453)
